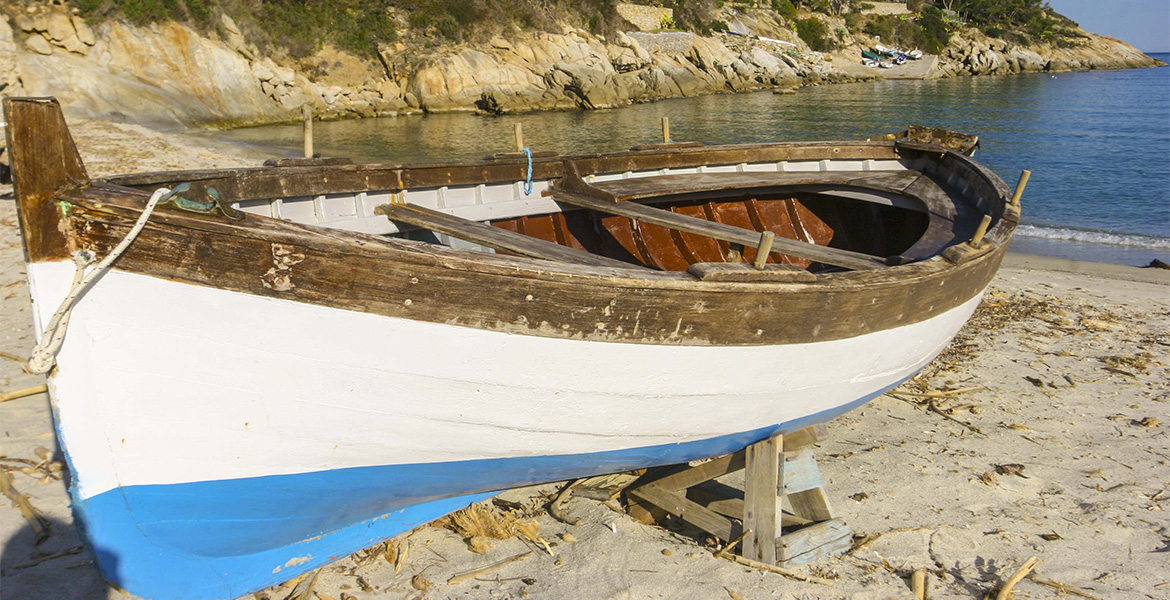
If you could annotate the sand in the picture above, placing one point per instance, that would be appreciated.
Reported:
(1071, 361)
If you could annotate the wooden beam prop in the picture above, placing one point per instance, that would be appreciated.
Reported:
(728, 501)
(494, 237)
(691, 512)
(761, 499)
(776, 468)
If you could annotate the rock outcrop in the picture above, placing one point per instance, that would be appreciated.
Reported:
(977, 54)
(166, 75)
(576, 70)
(55, 29)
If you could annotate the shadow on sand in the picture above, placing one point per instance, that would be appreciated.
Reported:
(60, 567)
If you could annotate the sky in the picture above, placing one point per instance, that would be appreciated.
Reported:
(1143, 23)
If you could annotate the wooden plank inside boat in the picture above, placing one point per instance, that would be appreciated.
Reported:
(494, 237)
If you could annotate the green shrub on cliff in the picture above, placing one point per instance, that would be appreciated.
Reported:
(301, 27)
(882, 27)
(936, 32)
(147, 11)
(815, 33)
(451, 19)
(693, 15)
(852, 21)
(784, 8)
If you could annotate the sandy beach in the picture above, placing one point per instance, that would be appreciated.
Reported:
(1041, 432)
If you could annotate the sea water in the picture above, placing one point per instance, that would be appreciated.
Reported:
(1097, 142)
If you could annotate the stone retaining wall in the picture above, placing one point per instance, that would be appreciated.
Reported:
(645, 18)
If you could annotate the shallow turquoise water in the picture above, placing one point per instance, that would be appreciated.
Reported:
(1098, 143)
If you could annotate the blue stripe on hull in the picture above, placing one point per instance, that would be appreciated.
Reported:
(223, 539)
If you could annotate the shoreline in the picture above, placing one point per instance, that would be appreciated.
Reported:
(1053, 264)
(850, 76)
(1139, 257)
(877, 77)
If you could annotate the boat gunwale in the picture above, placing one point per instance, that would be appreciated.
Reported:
(471, 261)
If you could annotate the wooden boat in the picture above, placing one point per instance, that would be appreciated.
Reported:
(289, 363)
(963, 143)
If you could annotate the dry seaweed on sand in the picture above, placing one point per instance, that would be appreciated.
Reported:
(860, 540)
(29, 391)
(472, 574)
(37, 521)
(23, 363)
(931, 401)
(480, 523)
(1129, 364)
(995, 312)
(387, 550)
(1005, 592)
(46, 469)
(39, 558)
(556, 507)
(1062, 588)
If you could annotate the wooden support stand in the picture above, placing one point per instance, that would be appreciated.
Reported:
(778, 470)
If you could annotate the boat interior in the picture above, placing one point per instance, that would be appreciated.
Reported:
(811, 208)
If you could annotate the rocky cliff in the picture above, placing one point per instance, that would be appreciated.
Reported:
(168, 75)
(977, 54)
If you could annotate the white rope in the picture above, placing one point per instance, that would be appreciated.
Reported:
(44, 355)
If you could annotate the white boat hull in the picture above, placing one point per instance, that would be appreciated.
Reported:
(227, 429)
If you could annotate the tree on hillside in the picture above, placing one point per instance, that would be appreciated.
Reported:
(998, 12)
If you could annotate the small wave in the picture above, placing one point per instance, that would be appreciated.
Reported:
(1094, 237)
